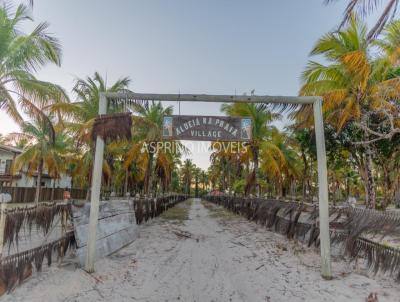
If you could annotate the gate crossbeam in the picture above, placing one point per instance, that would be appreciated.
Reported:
(209, 98)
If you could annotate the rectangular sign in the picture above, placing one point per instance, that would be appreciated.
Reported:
(207, 128)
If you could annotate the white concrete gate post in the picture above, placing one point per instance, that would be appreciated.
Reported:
(322, 192)
(95, 193)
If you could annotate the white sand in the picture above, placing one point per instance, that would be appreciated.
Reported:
(225, 259)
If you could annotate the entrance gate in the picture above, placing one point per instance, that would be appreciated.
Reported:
(315, 101)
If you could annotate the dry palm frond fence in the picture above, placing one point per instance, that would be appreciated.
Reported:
(353, 228)
(16, 266)
(42, 218)
(113, 126)
(147, 208)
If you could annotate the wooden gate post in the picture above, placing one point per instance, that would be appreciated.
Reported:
(95, 193)
(322, 192)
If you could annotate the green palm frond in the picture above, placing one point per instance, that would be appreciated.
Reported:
(367, 7)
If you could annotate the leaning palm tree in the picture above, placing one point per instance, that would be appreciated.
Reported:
(352, 83)
(364, 8)
(20, 56)
(46, 149)
(261, 119)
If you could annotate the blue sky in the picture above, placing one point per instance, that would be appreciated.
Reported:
(186, 46)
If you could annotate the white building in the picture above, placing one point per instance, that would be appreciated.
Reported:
(21, 179)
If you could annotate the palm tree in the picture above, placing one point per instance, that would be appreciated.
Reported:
(83, 114)
(47, 148)
(366, 7)
(227, 162)
(20, 56)
(147, 125)
(389, 43)
(86, 109)
(196, 175)
(204, 180)
(187, 172)
(163, 168)
(261, 119)
(352, 85)
(279, 161)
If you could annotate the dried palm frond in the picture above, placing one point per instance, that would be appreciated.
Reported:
(367, 221)
(113, 126)
(41, 216)
(146, 208)
(16, 268)
(347, 225)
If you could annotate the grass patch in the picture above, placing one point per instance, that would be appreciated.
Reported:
(218, 212)
(177, 214)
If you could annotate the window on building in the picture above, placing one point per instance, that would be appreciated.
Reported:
(8, 166)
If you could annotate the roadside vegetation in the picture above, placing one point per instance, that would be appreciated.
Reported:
(355, 69)
(178, 214)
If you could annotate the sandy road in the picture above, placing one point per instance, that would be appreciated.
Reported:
(211, 256)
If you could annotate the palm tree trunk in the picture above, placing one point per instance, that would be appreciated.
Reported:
(305, 174)
(12, 169)
(149, 174)
(88, 194)
(386, 185)
(126, 182)
(370, 183)
(39, 182)
(197, 187)
(370, 186)
(255, 158)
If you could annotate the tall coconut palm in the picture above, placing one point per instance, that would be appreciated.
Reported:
(352, 84)
(83, 113)
(187, 172)
(85, 110)
(227, 161)
(279, 160)
(204, 180)
(163, 168)
(364, 8)
(147, 125)
(20, 56)
(196, 176)
(261, 127)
